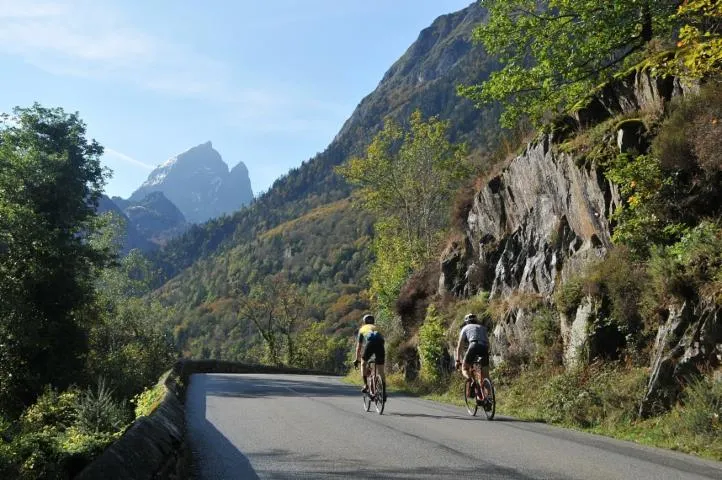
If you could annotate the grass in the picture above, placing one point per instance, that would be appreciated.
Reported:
(599, 399)
(313, 215)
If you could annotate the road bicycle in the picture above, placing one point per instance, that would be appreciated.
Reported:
(479, 395)
(376, 393)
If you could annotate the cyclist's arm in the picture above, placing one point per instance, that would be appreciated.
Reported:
(358, 347)
(459, 348)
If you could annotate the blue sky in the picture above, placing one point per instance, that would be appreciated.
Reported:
(269, 82)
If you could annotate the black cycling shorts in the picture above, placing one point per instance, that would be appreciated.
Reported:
(376, 348)
(475, 351)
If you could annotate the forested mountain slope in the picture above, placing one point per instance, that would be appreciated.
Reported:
(425, 77)
(304, 226)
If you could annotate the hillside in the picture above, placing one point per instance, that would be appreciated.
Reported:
(425, 77)
(302, 225)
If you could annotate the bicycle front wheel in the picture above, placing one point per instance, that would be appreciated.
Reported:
(367, 398)
(489, 399)
(470, 398)
(380, 398)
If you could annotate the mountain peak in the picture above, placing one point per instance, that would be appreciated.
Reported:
(199, 183)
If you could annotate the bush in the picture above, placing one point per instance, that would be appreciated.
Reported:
(691, 138)
(49, 440)
(99, 412)
(702, 409)
(52, 408)
(593, 396)
(432, 345)
(689, 266)
(148, 400)
(546, 333)
(568, 298)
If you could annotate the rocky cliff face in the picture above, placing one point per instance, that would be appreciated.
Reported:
(199, 184)
(133, 238)
(155, 217)
(148, 223)
(544, 218)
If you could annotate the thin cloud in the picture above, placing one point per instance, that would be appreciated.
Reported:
(84, 39)
(128, 159)
(94, 40)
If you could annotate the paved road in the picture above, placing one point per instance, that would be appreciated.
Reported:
(288, 426)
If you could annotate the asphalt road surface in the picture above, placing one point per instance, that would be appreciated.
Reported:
(292, 426)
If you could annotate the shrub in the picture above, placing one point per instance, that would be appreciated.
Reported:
(702, 409)
(546, 333)
(684, 269)
(622, 280)
(593, 395)
(432, 345)
(691, 137)
(148, 400)
(52, 408)
(463, 202)
(99, 412)
(568, 298)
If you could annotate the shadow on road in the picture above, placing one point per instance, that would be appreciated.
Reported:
(426, 415)
(253, 387)
(292, 465)
(220, 458)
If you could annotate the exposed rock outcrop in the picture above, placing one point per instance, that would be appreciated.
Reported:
(545, 217)
(688, 341)
(533, 225)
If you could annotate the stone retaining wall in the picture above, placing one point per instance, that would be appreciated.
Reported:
(154, 447)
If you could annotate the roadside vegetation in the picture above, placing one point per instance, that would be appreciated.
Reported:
(83, 331)
(666, 231)
(77, 338)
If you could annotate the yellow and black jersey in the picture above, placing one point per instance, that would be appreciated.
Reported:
(368, 332)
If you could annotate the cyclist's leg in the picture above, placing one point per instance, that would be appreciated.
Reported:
(466, 363)
(380, 353)
(365, 355)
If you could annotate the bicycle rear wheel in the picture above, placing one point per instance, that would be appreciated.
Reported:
(489, 399)
(470, 397)
(380, 398)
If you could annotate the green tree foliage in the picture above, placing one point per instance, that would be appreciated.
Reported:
(678, 183)
(432, 344)
(410, 176)
(50, 182)
(317, 350)
(407, 179)
(276, 308)
(555, 52)
(698, 52)
(325, 253)
(129, 344)
(393, 264)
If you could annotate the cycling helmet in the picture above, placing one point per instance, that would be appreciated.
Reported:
(469, 318)
(369, 319)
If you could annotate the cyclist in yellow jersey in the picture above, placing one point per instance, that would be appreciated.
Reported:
(370, 339)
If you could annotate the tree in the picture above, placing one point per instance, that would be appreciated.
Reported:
(292, 309)
(128, 344)
(698, 53)
(409, 176)
(555, 52)
(407, 179)
(275, 307)
(50, 183)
